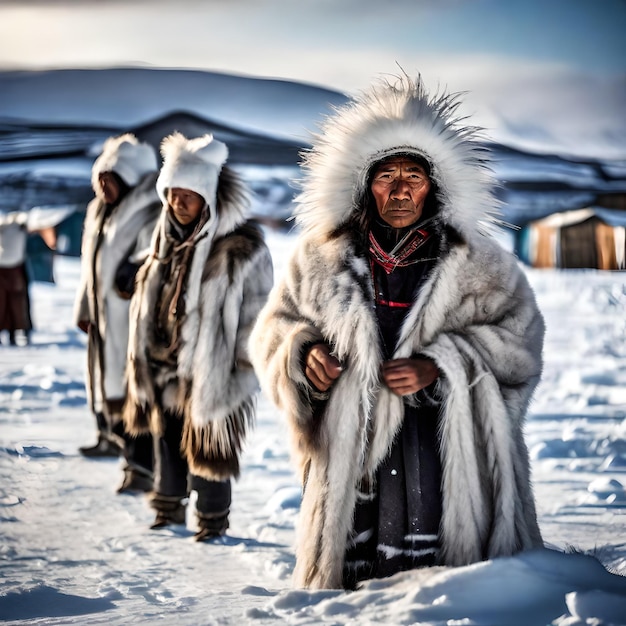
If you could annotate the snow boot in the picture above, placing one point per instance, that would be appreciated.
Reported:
(136, 480)
(103, 448)
(169, 510)
(211, 525)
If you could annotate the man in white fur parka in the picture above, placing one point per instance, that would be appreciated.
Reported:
(403, 345)
(116, 236)
(190, 379)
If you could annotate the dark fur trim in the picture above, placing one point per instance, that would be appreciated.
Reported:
(232, 250)
(213, 450)
(136, 419)
(230, 190)
(140, 420)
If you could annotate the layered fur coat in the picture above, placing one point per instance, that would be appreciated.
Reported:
(214, 392)
(105, 245)
(475, 316)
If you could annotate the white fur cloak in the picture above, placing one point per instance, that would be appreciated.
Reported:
(476, 317)
(227, 283)
(126, 234)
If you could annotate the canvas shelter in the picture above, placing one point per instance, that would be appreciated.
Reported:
(592, 237)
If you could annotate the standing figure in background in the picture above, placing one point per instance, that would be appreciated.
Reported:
(190, 380)
(404, 345)
(116, 239)
(15, 228)
(14, 298)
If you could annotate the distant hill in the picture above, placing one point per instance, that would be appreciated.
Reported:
(244, 147)
(128, 97)
(46, 141)
(53, 123)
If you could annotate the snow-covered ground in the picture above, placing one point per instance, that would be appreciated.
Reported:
(74, 552)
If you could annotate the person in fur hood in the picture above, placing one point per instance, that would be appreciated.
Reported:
(403, 345)
(190, 379)
(116, 236)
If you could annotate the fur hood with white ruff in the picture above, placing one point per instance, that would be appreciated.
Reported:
(393, 118)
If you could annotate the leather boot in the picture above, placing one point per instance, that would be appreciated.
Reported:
(211, 525)
(136, 480)
(103, 448)
(169, 510)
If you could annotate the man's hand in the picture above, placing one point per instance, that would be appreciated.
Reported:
(407, 376)
(321, 368)
(84, 325)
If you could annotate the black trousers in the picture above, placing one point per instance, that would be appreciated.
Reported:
(401, 521)
(137, 450)
(172, 477)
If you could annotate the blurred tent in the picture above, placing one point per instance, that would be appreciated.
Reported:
(591, 237)
(63, 238)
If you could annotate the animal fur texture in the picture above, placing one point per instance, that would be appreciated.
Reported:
(215, 388)
(476, 317)
(127, 233)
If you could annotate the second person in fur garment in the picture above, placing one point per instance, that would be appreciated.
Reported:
(117, 231)
(404, 345)
(190, 379)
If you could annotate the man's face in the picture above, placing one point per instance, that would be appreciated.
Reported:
(185, 204)
(400, 186)
(110, 187)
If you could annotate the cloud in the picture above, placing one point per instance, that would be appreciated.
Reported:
(342, 46)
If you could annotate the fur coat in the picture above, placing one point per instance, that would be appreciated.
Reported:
(228, 281)
(475, 316)
(125, 234)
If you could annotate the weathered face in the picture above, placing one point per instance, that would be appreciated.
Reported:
(400, 186)
(109, 186)
(185, 204)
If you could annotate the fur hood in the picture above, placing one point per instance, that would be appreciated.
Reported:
(397, 118)
(130, 159)
(192, 164)
(232, 209)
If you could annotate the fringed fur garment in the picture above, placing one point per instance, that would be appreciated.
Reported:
(214, 386)
(475, 316)
(126, 234)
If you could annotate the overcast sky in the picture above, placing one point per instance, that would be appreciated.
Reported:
(338, 43)
(511, 55)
